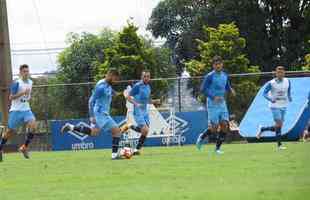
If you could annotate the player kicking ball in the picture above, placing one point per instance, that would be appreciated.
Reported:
(140, 97)
(99, 110)
(215, 85)
(278, 93)
(20, 111)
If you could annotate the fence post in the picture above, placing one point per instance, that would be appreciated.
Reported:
(179, 94)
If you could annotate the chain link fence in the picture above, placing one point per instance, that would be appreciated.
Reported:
(70, 101)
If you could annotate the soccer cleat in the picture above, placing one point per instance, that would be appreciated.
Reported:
(219, 152)
(281, 147)
(116, 156)
(67, 127)
(136, 152)
(199, 142)
(259, 132)
(24, 150)
(1, 156)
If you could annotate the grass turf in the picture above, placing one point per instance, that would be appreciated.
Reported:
(248, 171)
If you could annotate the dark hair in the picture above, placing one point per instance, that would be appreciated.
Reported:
(146, 71)
(217, 59)
(280, 67)
(113, 72)
(23, 66)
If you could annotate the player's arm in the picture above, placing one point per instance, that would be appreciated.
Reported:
(14, 94)
(91, 105)
(228, 87)
(205, 87)
(289, 91)
(134, 91)
(266, 91)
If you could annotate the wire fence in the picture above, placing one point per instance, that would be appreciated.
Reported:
(70, 100)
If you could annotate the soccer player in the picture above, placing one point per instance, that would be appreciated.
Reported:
(99, 110)
(278, 93)
(215, 85)
(20, 111)
(140, 97)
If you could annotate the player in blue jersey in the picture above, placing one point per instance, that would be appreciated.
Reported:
(278, 93)
(99, 110)
(140, 97)
(20, 111)
(215, 86)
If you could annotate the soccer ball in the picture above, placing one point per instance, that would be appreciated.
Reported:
(127, 152)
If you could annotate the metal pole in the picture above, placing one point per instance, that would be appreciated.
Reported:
(5, 62)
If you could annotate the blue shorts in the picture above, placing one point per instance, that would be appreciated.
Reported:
(278, 114)
(105, 121)
(18, 118)
(141, 117)
(217, 114)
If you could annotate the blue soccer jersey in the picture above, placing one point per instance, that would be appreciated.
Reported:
(100, 100)
(215, 84)
(141, 92)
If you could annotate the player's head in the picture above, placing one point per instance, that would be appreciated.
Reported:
(217, 63)
(112, 76)
(146, 76)
(280, 72)
(24, 71)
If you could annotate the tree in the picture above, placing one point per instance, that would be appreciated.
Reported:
(131, 54)
(276, 31)
(226, 42)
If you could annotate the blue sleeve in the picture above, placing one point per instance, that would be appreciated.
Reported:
(99, 91)
(91, 105)
(135, 90)
(289, 91)
(228, 85)
(14, 88)
(267, 89)
(205, 86)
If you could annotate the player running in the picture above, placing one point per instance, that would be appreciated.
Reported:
(140, 97)
(215, 85)
(20, 111)
(278, 93)
(99, 110)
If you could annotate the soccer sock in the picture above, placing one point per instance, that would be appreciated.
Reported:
(278, 135)
(29, 137)
(82, 129)
(136, 128)
(3, 142)
(141, 141)
(206, 133)
(115, 144)
(268, 128)
(220, 139)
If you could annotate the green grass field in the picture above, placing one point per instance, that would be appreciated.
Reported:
(245, 171)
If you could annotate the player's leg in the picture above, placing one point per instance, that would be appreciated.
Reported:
(15, 120)
(278, 126)
(261, 129)
(31, 125)
(81, 128)
(144, 128)
(213, 121)
(223, 129)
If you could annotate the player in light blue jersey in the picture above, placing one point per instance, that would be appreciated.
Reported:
(278, 93)
(99, 110)
(215, 86)
(20, 111)
(140, 97)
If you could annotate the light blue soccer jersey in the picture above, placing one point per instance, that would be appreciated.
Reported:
(141, 92)
(215, 84)
(100, 100)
